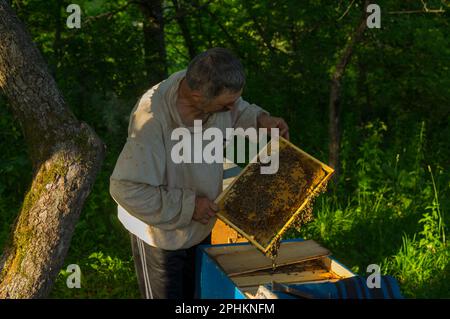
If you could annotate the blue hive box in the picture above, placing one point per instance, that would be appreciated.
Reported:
(355, 287)
(237, 271)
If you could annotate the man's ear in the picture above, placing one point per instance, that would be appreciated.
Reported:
(197, 96)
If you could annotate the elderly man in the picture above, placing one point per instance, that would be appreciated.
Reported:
(176, 200)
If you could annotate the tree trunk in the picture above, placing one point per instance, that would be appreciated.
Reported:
(180, 17)
(366, 112)
(57, 41)
(66, 157)
(154, 42)
(335, 96)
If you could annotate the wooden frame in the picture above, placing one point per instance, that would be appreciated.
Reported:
(328, 173)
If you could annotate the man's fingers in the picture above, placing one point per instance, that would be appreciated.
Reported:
(204, 210)
(284, 129)
(285, 133)
(211, 213)
(214, 206)
(203, 220)
(279, 123)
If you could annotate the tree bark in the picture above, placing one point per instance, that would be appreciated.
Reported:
(335, 96)
(66, 157)
(57, 40)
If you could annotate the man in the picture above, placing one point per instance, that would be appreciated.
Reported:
(176, 201)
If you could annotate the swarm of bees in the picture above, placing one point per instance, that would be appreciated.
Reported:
(261, 205)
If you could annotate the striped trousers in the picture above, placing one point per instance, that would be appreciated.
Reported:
(164, 274)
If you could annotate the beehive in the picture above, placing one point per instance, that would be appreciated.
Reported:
(236, 271)
(261, 207)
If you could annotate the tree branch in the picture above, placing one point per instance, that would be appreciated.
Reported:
(424, 10)
(418, 11)
(109, 15)
(346, 11)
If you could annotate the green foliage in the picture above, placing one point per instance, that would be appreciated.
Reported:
(392, 218)
(424, 258)
(102, 276)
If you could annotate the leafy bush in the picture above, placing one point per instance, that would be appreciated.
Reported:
(392, 218)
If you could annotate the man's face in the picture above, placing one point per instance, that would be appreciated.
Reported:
(222, 103)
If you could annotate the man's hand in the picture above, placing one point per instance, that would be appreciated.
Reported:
(267, 121)
(204, 210)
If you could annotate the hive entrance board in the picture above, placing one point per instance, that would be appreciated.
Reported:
(262, 206)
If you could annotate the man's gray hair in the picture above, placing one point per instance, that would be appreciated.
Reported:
(215, 71)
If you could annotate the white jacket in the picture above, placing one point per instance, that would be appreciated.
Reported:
(156, 197)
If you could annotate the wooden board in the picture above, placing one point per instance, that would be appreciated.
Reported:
(252, 282)
(262, 207)
(337, 268)
(295, 277)
(304, 271)
(241, 259)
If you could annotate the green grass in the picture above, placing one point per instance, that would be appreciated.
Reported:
(102, 276)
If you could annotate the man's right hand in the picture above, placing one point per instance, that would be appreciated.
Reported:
(204, 210)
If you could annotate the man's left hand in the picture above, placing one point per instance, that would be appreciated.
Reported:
(268, 122)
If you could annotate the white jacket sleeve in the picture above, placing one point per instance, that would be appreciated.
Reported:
(138, 181)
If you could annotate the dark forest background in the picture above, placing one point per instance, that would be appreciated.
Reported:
(390, 203)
